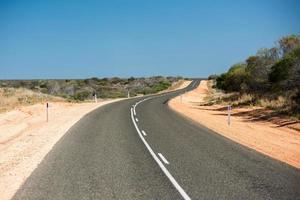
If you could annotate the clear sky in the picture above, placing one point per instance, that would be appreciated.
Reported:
(80, 39)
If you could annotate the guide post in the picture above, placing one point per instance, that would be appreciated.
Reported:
(47, 107)
(229, 114)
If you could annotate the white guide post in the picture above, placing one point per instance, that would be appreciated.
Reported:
(47, 108)
(229, 114)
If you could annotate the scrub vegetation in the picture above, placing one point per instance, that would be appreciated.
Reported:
(84, 89)
(271, 78)
(11, 98)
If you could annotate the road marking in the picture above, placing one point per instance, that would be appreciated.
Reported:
(160, 164)
(134, 112)
(163, 158)
(144, 133)
(136, 119)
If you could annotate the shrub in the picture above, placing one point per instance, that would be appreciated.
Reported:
(280, 71)
(81, 95)
(162, 85)
(234, 79)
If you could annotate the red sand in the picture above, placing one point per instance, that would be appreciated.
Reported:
(281, 143)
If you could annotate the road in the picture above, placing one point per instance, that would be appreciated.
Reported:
(140, 149)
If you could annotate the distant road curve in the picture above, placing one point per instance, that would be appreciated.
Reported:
(140, 149)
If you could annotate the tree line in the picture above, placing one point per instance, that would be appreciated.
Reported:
(82, 89)
(272, 72)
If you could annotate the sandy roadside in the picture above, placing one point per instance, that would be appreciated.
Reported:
(177, 86)
(26, 137)
(281, 143)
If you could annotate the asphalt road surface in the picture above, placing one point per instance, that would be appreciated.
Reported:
(140, 149)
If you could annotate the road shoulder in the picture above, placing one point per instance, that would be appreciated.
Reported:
(26, 138)
(281, 143)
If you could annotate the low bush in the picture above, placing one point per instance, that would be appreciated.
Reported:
(270, 78)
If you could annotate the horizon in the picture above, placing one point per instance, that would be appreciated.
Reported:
(79, 40)
(136, 77)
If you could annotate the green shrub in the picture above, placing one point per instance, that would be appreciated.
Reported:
(162, 85)
(234, 79)
(280, 71)
(81, 95)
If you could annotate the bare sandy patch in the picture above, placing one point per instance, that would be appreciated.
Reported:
(26, 137)
(279, 142)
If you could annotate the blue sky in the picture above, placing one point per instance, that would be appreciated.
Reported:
(80, 39)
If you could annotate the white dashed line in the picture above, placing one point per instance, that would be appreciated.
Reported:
(136, 119)
(163, 158)
(160, 164)
(144, 133)
(134, 111)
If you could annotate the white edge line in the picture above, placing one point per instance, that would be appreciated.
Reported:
(163, 158)
(160, 164)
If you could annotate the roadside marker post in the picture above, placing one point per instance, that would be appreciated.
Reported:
(95, 97)
(47, 107)
(128, 94)
(229, 115)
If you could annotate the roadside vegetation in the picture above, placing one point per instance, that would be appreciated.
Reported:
(84, 89)
(270, 79)
(11, 98)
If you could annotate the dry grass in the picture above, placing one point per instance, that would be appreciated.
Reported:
(272, 104)
(11, 98)
(279, 102)
(214, 96)
(245, 100)
(250, 100)
(259, 128)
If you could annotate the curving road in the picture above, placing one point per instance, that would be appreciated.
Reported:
(140, 149)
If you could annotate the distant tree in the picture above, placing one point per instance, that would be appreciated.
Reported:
(212, 77)
(234, 79)
(259, 67)
(131, 79)
(268, 73)
(289, 43)
(94, 79)
(53, 87)
(221, 81)
(115, 80)
(81, 95)
(280, 71)
(162, 85)
(286, 72)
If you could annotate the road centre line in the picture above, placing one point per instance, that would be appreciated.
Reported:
(144, 133)
(160, 164)
(163, 158)
(134, 112)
